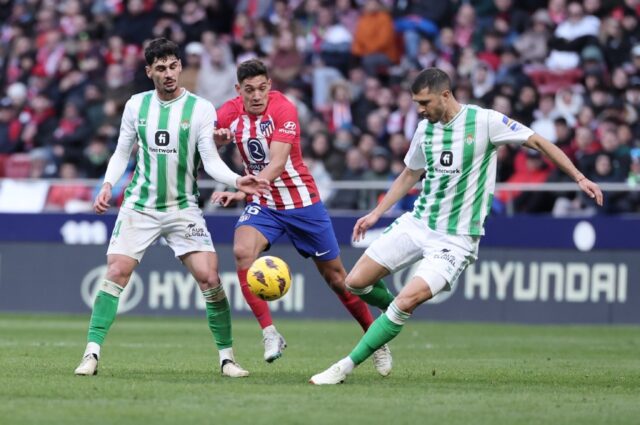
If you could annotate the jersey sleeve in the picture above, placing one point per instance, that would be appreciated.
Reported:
(503, 130)
(225, 115)
(415, 159)
(211, 161)
(126, 140)
(286, 125)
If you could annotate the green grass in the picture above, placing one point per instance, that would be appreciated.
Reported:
(164, 371)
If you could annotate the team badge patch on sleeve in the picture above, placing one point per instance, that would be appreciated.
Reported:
(512, 124)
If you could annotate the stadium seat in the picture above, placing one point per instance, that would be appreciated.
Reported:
(18, 166)
(549, 82)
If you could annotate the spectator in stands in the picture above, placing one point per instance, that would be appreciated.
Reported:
(379, 170)
(532, 44)
(338, 114)
(286, 61)
(60, 194)
(571, 37)
(356, 163)
(217, 77)
(191, 66)
(374, 41)
(404, 119)
(10, 128)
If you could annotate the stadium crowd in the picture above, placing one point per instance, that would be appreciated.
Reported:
(568, 69)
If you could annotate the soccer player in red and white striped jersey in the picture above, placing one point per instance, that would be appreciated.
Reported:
(263, 124)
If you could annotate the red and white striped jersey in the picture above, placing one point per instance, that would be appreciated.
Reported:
(295, 188)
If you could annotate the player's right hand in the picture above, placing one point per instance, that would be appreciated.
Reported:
(101, 203)
(226, 198)
(363, 224)
(222, 136)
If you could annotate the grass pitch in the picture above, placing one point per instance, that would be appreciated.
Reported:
(164, 371)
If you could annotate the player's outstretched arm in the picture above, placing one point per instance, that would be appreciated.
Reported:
(563, 162)
(401, 185)
(101, 203)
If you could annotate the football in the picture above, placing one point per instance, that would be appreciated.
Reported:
(269, 278)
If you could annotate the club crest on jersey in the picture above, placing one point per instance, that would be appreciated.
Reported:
(468, 139)
(266, 127)
(184, 125)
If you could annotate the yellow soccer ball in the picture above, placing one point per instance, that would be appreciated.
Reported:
(269, 278)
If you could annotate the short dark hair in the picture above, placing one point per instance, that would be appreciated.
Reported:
(434, 79)
(251, 68)
(160, 48)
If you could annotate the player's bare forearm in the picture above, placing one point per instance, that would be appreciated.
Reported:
(272, 171)
(279, 153)
(563, 162)
(554, 153)
(401, 185)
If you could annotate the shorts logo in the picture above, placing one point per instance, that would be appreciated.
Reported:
(266, 127)
(193, 231)
(444, 255)
(256, 151)
(162, 138)
(446, 158)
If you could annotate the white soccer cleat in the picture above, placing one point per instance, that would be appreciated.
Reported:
(232, 369)
(332, 376)
(274, 345)
(88, 366)
(382, 360)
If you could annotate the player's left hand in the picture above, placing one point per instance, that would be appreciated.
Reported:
(591, 189)
(226, 198)
(253, 185)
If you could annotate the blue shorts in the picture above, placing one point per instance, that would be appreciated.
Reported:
(309, 228)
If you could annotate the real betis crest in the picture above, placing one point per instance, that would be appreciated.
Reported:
(468, 139)
(184, 125)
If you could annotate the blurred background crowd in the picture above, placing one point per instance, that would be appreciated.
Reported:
(568, 69)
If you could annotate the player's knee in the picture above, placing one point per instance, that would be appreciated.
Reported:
(242, 253)
(353, 282)
(118, 272)
(207, 279)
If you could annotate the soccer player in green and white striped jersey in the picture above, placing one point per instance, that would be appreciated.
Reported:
(454, 147)
(174, 133)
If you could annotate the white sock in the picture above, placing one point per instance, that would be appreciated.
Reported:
(269, 329)
(347, 365)
(92, 348)
(225, 353)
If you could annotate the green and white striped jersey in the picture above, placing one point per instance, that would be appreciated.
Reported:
(171, 136)
(460, 163)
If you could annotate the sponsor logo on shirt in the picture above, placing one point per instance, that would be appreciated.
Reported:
(288, 127)
(512, 124)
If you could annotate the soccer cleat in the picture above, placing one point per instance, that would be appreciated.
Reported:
(88, 366)
(274, 344)
(333, 375)
(232, 369)
(382, 360)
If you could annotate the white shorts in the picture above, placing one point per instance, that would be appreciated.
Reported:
(185, 231)
(441, 255)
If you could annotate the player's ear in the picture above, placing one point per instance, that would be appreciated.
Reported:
(269, 84)
(147, 70)
(238, 89)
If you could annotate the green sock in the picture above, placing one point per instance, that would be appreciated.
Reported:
(219, 317)
(379, 296)
(382, 330)
(104, 311)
